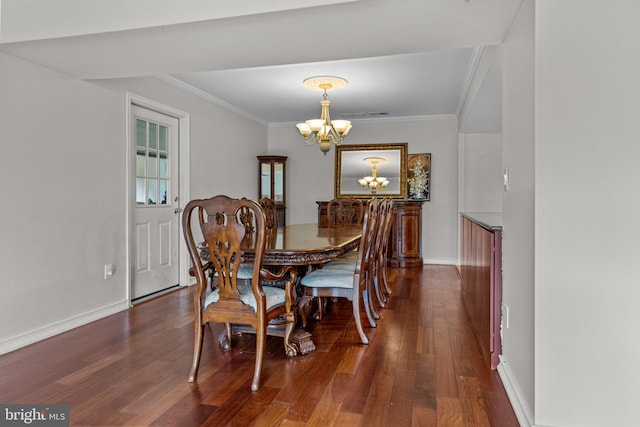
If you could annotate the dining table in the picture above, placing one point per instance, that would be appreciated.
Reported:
(304, 246)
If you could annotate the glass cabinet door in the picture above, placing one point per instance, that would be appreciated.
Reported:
(278, 183)
(272, 182)
(265, 180)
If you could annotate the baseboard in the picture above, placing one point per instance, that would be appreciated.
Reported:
(520, 407)
(437, 261)
(48, 331)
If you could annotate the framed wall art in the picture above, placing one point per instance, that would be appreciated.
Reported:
(419, 176)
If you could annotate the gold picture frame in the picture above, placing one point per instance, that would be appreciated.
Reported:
(353, 163)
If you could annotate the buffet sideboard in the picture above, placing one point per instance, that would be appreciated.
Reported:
(405, 247)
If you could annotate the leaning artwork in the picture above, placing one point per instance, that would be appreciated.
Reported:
(419, 176)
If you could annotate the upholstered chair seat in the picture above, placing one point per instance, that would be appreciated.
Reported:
(275, 296)
(324, 278)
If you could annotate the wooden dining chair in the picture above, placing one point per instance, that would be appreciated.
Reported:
(270, 212)
(379, 258)
(348, 283)
(344, 211)
(235, 301)
(379, 211)
(384, 251)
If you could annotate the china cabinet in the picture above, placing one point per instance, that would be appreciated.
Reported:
(271, 183)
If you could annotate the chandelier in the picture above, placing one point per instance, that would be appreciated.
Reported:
(374, 182)
(324, 131)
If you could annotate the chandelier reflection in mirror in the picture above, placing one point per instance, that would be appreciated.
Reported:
(324, 131)
(374, 182)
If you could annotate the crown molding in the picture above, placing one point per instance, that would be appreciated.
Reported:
(209, 98)
(382, 119)
(468, 81)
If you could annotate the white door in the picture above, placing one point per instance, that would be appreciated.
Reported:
(155, 234)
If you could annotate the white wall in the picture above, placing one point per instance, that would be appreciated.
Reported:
(480, 172)
(62, 179)
(311, 175)
(62, 183)
(517, 361)
(586, 224)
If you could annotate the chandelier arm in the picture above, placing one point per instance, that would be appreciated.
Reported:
(333, 137)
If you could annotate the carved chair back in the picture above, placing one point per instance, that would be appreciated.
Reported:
(246, 218)
(344, 211)
(270, 212)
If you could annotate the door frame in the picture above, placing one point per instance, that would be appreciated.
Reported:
(183, 184)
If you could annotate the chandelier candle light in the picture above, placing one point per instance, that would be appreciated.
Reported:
(374, 182)
(324, 131)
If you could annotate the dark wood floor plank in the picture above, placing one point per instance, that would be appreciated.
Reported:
(376, 411)
(303, 400)
(272, 415)
(423, 367)
(473, 411)
(499, 409)
(446, 383)
(242, 408)
(424, 393)
(345, 419)
(328, 407)
(424, 417)
(450, 412)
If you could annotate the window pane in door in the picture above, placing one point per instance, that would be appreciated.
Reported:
(164, 166)
(140, 191)
(153, 135)
(141, 133)
(152, 187)
(140, 163)
(163, 191)
(163, 138)
(152, 170)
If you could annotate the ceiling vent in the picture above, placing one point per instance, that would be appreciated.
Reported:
(371, 114)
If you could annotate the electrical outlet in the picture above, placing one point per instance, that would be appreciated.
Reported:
(109, 269)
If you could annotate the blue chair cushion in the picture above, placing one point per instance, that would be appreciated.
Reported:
(340, 264)
(323, 278)
(275, 296)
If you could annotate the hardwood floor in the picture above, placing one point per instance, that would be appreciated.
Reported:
(422, 368)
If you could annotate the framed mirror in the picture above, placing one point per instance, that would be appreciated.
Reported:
(369, 170)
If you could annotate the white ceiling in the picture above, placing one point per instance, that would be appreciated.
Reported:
(402, 58)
